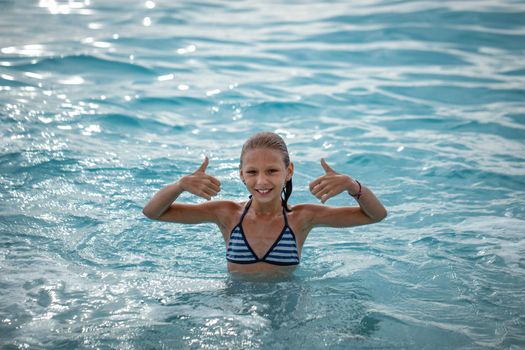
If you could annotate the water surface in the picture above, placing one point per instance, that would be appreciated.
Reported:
(102, 103)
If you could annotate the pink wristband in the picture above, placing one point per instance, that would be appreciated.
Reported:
(359, 193)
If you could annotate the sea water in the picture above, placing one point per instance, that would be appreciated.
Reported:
(104, 102)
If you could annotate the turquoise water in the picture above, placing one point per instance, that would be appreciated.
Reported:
(102, 103)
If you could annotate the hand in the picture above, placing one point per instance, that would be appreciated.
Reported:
(330, 184)
(201, 184)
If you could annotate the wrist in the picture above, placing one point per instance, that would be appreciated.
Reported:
(352, 187)
(356, 189)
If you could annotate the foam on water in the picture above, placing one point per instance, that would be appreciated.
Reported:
(102, 103)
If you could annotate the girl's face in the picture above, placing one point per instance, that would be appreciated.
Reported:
(265, 174)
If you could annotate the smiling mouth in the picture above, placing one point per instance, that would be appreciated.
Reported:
(263, 191)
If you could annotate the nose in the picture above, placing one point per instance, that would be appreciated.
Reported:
(261, 179)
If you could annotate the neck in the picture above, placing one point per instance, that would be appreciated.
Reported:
(266, 209)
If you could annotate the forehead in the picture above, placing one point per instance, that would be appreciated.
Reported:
(262, 156)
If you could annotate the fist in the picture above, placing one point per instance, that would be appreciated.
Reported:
(330, 184)
(201, 184)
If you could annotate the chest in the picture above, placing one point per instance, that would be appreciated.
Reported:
(262, 235)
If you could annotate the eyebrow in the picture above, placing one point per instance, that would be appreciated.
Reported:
(266, 167)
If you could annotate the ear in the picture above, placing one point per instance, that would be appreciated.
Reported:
(241, 176)
(290, 171)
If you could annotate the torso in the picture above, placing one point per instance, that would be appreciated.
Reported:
(262, 235)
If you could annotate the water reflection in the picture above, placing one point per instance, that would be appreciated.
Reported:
(34, 50)
(267, 314)
(70, 7)
(440, 111)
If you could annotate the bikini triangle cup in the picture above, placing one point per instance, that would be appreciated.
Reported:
(282, 252)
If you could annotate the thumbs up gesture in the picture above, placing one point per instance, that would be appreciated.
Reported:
(201, 184)
(330, 184)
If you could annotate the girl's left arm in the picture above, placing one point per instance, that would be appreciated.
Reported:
(331, 184)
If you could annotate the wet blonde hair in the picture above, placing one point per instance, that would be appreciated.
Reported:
(270, 140)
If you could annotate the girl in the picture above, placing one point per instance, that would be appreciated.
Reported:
(265, 234)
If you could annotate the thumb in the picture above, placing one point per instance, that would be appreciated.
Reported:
(326, 167)
(203, 166)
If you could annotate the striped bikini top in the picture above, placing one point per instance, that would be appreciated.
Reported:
(282, 252)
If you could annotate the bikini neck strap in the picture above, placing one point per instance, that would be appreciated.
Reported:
(246, 208)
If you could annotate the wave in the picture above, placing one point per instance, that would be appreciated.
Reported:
(86, 64)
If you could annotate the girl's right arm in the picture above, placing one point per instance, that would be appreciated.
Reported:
(162, 206)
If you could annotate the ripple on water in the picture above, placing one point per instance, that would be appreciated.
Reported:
(421, 101)
(87, 65)
(459, 95)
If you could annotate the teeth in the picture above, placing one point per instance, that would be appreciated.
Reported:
(263, 191)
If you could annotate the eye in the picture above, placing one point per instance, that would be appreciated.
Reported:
(250, 172)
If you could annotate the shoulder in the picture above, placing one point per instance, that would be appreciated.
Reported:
(304, 213)
(304, 217)
(226, 212)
